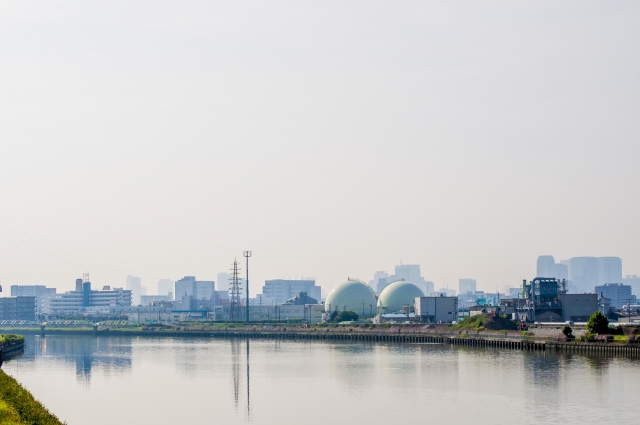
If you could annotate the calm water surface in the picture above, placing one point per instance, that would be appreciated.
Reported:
(140, 380)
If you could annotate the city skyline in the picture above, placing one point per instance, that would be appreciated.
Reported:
(467, 138)
(144, 287)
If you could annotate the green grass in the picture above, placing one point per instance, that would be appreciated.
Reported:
(620, 339)
(8, 416)
(18, 402)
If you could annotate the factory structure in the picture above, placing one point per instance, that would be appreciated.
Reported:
(547, 300)
(398, 302)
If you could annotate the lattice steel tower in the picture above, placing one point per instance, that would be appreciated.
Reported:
(235, 312)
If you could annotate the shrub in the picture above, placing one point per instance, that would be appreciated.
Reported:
(567, 331)
(588, 337)
(345, 316)
(598, 323)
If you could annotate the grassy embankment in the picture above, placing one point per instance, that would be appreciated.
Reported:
(480, 322)
(17, 405)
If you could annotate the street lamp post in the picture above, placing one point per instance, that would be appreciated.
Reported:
(247, 254)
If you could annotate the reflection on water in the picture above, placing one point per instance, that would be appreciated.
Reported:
(178, 380)
(110, 354)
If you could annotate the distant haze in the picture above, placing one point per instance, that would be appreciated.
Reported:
(333, 139)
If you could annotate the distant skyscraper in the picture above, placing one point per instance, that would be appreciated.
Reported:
(546, 266)
(562, 272)
(166, 287)
(184, 287)
(466, 285)
(204, 289)
(198, 289)
(378, 277)
(609, 270)
(583, 272)
(634, 282)
(134, 284)
(224, 280)
(411, 273)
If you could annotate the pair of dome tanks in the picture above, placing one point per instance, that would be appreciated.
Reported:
(356, 296)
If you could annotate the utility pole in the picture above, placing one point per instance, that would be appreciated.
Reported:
(247, 254)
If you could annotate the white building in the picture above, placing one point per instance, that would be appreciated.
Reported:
(281, 290)
(87, 299)
(134, 284)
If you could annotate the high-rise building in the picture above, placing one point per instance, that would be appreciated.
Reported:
(546, 266)
(42, 294)
(582, 273)
(198, 289)
(411, 273)
(618, 293)
(281, 290)
(134, 284)
(609, 270)
(18, 308)
(204, 289)
(466, 285)
(184, 287)
(562, 271)
(634, 282)
(166, 287)
(378, 277)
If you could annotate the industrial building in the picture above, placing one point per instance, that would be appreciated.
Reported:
(18, 308)
(547, 300)
(578, 307)
(352, 295)
(436, 309)
(398, 296)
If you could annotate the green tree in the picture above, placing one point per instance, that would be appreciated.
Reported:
(598, 323)
(567, 331)
(345, 316)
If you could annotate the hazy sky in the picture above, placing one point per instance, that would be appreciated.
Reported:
(331, 138)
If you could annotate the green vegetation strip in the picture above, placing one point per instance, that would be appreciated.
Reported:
(10, 339)
(17, 405)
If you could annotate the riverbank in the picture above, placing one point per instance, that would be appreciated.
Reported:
(417, 334)
(18, 407)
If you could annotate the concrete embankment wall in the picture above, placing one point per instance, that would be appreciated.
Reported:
(11, 350)
(510, 342)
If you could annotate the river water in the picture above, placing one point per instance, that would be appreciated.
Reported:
(145, 380)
